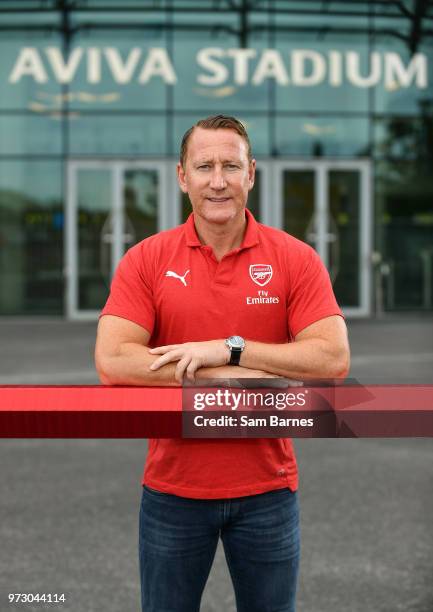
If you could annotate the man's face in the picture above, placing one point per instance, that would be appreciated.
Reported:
(217, 174)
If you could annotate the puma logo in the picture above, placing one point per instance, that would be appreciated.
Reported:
(174, 275)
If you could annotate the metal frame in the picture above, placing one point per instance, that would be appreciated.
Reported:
(166, 218)
(264, 167)
(321, 169)
(417, 18)
(271, 203)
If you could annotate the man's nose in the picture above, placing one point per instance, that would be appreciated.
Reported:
(218, 180)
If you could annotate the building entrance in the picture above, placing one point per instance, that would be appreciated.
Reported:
(328, 205)
(113, 204)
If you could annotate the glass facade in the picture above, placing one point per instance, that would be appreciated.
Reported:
(104, 80)
(31, 236)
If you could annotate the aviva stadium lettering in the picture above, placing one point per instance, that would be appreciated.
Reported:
(217, 66)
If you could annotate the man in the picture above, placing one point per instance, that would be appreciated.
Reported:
(189, 293)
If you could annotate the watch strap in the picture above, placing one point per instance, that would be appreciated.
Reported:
(235, 356)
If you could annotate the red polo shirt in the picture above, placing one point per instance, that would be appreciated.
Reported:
(268, 290)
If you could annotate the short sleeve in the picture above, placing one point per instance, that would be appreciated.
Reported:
(131, 295)
(311, 296)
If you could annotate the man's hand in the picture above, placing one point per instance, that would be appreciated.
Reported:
(191, 356)
(123, 358)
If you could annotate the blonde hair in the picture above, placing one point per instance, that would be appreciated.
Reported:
(216, 122)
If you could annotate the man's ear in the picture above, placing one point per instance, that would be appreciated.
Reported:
(181, 177)
(251, 173)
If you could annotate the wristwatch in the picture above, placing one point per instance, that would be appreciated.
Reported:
(236, 344)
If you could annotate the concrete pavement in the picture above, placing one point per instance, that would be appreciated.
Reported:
(69, 508)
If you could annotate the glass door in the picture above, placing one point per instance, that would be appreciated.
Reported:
(327, 204)
(112, 205)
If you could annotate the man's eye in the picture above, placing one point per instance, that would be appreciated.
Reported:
(232, 166)
(204, 167)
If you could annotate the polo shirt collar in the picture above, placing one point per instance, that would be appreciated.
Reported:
(251, 237)
(192, 239)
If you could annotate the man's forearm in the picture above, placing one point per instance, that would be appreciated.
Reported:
(321, 350)
(302, 360)
(131, 367)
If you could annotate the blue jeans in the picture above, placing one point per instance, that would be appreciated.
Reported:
(179, 536)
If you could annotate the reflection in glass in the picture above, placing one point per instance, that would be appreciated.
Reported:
(307, 136)
(405, 90)
(20, 91)
(254, 203)
(405, 137)
(186, 208)
(404, 195)
(30, 134)
(217, 82)
(31, 235)
(343, 234)
(118, 135)
(140, 194)
(299, 218)
(96, 230)
(122, 55)
(95, 236)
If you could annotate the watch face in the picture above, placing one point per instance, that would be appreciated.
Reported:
(237, 342)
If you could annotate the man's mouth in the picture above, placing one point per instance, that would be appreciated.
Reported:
(220, 199)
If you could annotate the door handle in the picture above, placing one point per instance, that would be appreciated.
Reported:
(108, 237)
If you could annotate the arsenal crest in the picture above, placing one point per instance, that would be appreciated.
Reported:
(261, 274)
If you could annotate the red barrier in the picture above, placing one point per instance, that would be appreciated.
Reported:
(146, 412)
